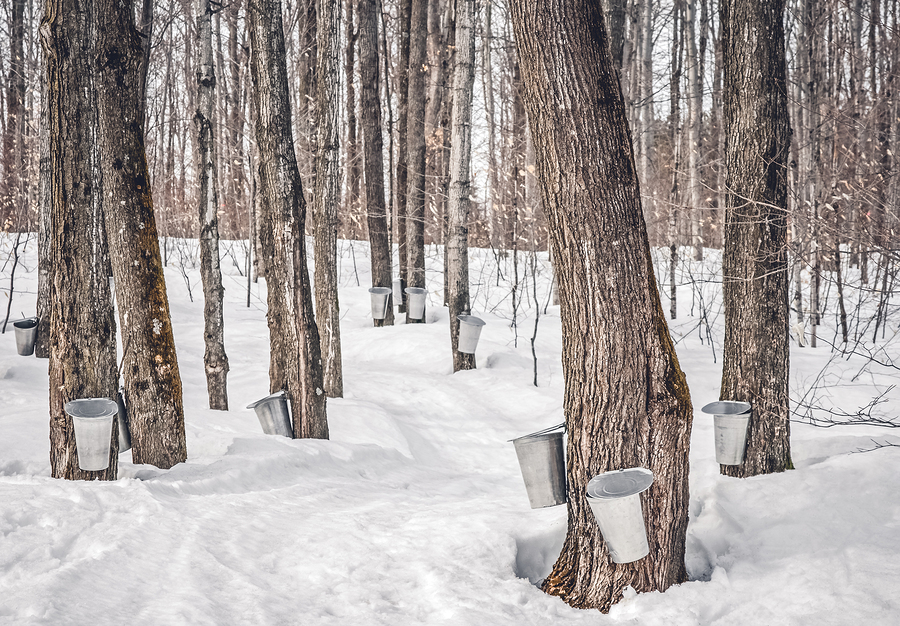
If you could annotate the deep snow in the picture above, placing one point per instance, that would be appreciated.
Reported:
(414, 511)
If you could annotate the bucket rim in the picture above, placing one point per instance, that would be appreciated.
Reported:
(727, 408)
(416, 291)
(621, 483)
(382, 291)
(559, 429)
(269, 398)
(107, 408)
(471, 320)
(26, 323)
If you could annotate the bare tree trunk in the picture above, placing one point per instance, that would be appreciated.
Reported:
(626, 400)
(327, 195)
(150, 365)
(460, 186)
(14, 165)
(295, 360)
(82, 323)
(676, 68)
(215, 361)
(45, 267)
(754, 265)
(494, 212)
(415, 194)
(695, 106)
(403, 145)
(373, 151)
(353, 227)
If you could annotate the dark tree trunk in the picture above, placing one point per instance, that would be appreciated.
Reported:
(12, 203)
(460, 186)
(215, 361)
(150, 366)
(754, 265)
(45, 267)
(353, 227)
(415, 186)
(626, 400)
(373, 150)
(295, 360)
(327, 195)
(82, 323)
(402, 144)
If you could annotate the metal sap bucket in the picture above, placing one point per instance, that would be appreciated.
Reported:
(26, 334)
(274, 417)
(615, 500)
(730, 421)
(469, 332)
(543, 463)
(92, 419)
(122, 415)
(380, 297)
(415, 305)
(398, 292)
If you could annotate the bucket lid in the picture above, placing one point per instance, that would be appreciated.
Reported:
(92, 407)
(545, 433)
(381, 290)
(619, 483)
(277, 394)
(28, 322)
(726, 407)
(416, 290)
(471, 320)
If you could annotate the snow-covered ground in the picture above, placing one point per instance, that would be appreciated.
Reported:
(414, 512)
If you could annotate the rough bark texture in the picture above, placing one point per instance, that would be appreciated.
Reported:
(45, 267)
(460, 185)
(415, 186)
(402, 145)
(327, 195)
(626, 399)
(82, 326)
(373, 151)
(12, 197)
(754, 265)
(152, 379)
(215, 361)
(295, 361)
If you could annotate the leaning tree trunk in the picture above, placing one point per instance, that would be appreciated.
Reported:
(150, 366)
(460, 186)
(215, 361)
(754, 265)
(327, 194)
(82, 323)
(627, 402)
(415, 132)
(295, 361)
(373, 151)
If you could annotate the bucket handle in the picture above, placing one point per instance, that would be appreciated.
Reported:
(543, 432)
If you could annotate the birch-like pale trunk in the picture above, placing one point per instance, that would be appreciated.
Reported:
(373, 151)
(215, 360)
(415, 190)
(327, 194)
(402, 146)
(460, 185)
(695, 109)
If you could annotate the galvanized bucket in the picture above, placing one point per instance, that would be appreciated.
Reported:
(122, 415)
(398, 292)
(469, 332)
(730, 421)
(543, 464)
(273, 415)
(26, 334)
(415, 305)
(380, 297)
(92, 419)
(615, 500)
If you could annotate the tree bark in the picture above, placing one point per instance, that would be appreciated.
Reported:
(695, 111)
(327, 195)
(415, 191)
(373, 151)
(150, 365)
(402, 145)
(353, 228)
(295, 361)
(626, 401)
(45, 266)
(215, 360)
(460, 185)
(82, 323)
(12, 203)
(754, 265)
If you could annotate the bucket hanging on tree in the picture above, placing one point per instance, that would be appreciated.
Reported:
(615, 500)
(730, 421)
(542, 461)
(92, 419)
